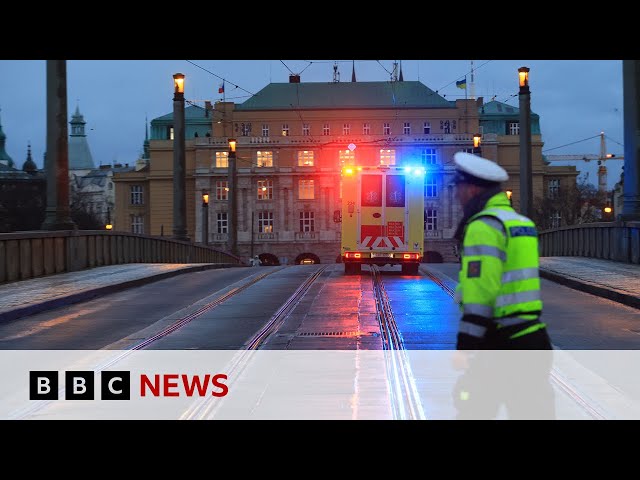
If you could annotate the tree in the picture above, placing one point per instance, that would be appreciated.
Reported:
(81, 212)
(579, 203)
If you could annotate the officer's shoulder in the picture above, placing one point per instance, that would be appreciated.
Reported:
(486, 223)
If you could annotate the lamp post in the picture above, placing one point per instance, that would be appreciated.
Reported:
(233, 199)
(477, 149)
(109, 225)
(526, 194)
(205, 217)
(509, 195)
(179, 167)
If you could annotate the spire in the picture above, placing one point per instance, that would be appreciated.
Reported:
(77, 124)
(4, 156)
(401, 79)
(353, 72)
(29, 165)
(145, 147)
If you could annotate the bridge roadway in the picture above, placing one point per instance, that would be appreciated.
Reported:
(244, 307)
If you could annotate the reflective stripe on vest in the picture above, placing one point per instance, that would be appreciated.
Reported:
(472, 329)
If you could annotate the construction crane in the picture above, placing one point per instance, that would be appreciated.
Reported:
(602, 158)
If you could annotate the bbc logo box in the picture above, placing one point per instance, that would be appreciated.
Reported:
(79, 385)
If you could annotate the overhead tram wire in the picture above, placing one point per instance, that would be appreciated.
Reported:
(572, 143)
(221, 78)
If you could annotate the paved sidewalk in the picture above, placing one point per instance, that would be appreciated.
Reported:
(26, 297)
(617, 281)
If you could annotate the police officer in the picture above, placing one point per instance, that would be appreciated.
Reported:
(499, 286)
(499, 297)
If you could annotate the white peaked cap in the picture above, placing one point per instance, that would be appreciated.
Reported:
(479, 167)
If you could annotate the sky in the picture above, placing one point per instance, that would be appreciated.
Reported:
(575, 99)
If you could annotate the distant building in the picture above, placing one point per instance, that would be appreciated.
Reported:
(293, 140)
(22, 194)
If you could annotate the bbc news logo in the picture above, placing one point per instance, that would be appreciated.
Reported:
(116, 385)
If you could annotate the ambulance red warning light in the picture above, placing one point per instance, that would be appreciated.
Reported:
(382, 218)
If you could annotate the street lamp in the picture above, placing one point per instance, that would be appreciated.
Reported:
(109, 225)
(205, 217)
(179, 167)
(477, 138)
(233, 199)
(509, 195)
(526, 173)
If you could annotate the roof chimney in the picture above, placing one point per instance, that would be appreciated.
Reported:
(207, 107)
(294, 78)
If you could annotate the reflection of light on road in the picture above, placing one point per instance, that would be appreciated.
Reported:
(355, 397)
(51, 323)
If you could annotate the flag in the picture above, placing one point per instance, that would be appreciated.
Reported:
(221, 88)
(462, 83)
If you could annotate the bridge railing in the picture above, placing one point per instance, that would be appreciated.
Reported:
(25, 255)
(619, 241)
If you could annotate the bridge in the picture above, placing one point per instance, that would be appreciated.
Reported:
(379, 345)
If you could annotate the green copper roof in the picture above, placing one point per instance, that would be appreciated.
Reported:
(499, 108)
(191, 112)
(495, 118)
(345, 95)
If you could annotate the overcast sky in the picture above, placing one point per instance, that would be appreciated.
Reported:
(576, 99)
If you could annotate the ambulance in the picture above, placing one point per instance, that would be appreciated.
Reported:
(382, 217)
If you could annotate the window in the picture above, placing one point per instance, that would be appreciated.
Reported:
(137, 224)
(265, 222)
(325, 129)
(306, 222)
(169, 133)
(431, 219)
(305, 190)
(445, 126)
(222, 224)
(554, 187)
(222, 190)
(366, 129)
(466, 150)
(136, 195)
(285, 129)
(265, 130)
(426, 128)
(513, 128)
(305, 158)
(430, 186)
(306, 129)
(555, 219)
(265, 158)
(428, 156)
(265, 189)
(346, 129)
(386, 128)
(406, 128)
(222, 159)
(245, 129)
(387, 157)
(347, 157)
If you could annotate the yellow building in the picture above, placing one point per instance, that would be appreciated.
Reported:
(292, 140)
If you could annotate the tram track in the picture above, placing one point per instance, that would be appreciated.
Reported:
(253, 344)
(405, 400)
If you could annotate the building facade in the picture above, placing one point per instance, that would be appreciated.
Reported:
(293, 140)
